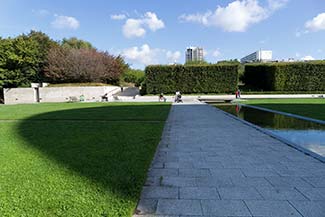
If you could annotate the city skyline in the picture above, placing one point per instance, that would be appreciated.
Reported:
(146, 33)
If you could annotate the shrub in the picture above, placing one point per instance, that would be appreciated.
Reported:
(133, 76)
(217, 78)
(286, 76)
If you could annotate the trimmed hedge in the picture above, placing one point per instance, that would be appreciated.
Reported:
(285, 76)
(217, 78)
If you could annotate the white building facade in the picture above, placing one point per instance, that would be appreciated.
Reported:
(258, 56)
(194, 54)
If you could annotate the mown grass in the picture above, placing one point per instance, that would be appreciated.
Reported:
(76, 159)
(313, 108)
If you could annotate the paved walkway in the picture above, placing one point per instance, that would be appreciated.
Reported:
(209, 164)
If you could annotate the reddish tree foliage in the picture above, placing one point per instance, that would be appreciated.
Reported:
(82, 65)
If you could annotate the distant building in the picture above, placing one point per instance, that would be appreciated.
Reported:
(258, 56)
(194, 54)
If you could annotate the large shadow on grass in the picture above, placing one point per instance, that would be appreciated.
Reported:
(111, 146)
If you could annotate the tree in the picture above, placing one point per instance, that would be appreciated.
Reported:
(18, 61)
(82, 65)
(23, 58)
(76, 43)
(44, 44)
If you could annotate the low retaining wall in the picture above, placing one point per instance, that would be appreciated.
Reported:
(57, 94)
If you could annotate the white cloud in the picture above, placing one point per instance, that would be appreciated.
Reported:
(237, 16)
(307, 58)
(216, 53)
(277, 4)
(118, 16)
(153, 22)
(173, 56)
(133, 28)
(138, 27)
(317, 23)
(143, 55)
(65, 22)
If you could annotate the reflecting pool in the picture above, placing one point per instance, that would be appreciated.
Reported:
(307, 134)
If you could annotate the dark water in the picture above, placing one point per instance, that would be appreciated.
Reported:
(301, 132)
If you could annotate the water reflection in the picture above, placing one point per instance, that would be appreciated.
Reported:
(301, 132)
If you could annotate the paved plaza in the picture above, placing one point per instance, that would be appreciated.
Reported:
(210, 164)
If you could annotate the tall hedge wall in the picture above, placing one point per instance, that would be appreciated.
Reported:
(286, 76)
(218, 78)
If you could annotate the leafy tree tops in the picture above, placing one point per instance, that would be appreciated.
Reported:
(35, 57)
(76, 43)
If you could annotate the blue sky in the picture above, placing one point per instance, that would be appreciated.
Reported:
(152, 32)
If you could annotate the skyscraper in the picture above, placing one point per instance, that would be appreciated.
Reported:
(194, 54)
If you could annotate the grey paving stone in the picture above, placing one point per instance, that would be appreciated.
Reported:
(226, 173)
(179, 181)
(318, 182)
(272, 193)
(156, 165)
(152, 181)
(288, 182)
(236, 165)
(207, 165)
(239, 193)
(313, 193)
(163, 172)
(146, 206)
(214, 181)
(194, 172)
(216, 159)
(250, 181)
(252, 172)
(271, 208)
(179, 207)
(224, 208)
(159, 192)
(181, 164)
(310, 208)
(198, 193)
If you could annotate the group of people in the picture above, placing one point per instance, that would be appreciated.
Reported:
(178, 97)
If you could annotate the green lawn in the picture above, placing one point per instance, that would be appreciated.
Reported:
(313, 108)
(76, 159)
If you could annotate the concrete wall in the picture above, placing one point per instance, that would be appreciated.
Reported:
(57, 94)
(19, 95)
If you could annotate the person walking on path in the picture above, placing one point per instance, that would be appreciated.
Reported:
(237, 93)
